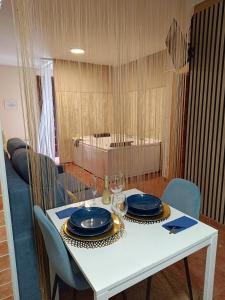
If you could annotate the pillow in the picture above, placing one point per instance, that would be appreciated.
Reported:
(20, 163)
(14, 144)
(120, 144)
(103, 134)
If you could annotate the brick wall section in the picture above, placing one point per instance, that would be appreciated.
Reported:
(5, 273)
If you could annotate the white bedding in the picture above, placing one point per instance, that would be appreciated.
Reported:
(104, 142)
(96, 156)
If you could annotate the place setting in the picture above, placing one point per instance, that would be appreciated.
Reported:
(95, 226)
(92, 227)
(146, 209)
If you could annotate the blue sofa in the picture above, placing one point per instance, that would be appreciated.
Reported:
(23, 235)
(22, 214)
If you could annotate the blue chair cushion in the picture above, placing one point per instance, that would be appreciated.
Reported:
(14, 144)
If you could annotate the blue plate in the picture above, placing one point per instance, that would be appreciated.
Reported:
(90, 219)
(83, 233)
(152, 213)
(143, 203)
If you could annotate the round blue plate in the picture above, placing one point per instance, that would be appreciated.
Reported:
(143, 203)
(152, 213)
(84, 233)
(90, 219)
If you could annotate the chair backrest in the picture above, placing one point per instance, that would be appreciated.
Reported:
(55, 248)
(184, 196)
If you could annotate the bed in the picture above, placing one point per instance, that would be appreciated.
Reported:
(106, 155)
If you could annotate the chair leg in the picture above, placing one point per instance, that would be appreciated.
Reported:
(188, 278)
(124, 295)
(55, 287)
(148, 289)
(74, 294)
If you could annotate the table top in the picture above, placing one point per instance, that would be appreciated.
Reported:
(144, 246)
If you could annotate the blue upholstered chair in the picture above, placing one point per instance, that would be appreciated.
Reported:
(184, 196)
(66, 270)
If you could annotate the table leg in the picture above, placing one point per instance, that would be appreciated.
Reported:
(100, 297)
(210, 269)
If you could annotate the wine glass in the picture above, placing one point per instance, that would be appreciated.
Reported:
(116, 184)
(120, 206)
(93, 187)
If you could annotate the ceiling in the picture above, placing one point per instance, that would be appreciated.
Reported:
(103, 51)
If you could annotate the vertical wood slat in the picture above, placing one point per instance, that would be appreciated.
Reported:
(216, 107)
(208, 14)
(201, 99)
(195, 76)
(221, 170)
(212, 110)
(210, 103)
(207, 112)
(196, 103)
(190, 102)
(205, 145)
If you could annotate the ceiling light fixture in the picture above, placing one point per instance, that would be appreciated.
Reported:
(77, 51)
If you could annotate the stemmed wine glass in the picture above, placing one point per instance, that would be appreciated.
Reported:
(93, 187)
(120, 206)
(116, 184)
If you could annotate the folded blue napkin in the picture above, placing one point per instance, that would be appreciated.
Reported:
(179, 224)
(67, 212)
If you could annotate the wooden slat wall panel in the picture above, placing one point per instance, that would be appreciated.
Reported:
(205, 141)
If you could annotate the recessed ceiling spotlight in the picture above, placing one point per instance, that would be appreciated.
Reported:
(77, 51)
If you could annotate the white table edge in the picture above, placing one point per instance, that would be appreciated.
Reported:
(210, 241)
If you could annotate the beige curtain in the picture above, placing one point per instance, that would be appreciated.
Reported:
(86, 98)
(125, 84)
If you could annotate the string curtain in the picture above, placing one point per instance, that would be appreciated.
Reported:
(130, 82)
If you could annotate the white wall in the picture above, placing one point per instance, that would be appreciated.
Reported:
(11, 119)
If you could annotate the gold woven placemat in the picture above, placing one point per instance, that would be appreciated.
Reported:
(102, 240)
(150, 220)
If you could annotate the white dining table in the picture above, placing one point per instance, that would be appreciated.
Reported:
(144, 250)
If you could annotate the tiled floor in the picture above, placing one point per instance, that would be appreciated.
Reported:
(171, 283)
(5, 274)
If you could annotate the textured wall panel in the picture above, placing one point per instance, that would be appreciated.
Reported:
(205, 142)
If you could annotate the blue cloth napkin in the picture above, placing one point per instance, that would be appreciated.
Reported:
(180, 224)
(67, 212)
